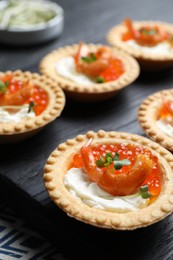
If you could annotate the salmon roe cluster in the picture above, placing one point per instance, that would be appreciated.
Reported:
(113, 71)
(39, 96)
(166, 109)
(129, 152)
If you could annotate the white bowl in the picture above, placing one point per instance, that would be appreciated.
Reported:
(34, 34)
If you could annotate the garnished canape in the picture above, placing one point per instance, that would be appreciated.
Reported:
(165, 117)
(99, 66)
(123, 172)
(117, 176)
(147, 35)
(156, 117)
(20, 99)
(27, 102)
(145, 40)
(88, 71)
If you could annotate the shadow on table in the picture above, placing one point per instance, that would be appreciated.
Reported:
(155, 78)
(81, 241)
(76, 240)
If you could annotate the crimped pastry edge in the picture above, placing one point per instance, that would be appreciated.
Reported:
(147, 118)
(56, 167)
(47, 67)
(15, 131)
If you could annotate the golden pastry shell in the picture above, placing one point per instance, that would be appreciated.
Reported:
(148, 114)
(94, 92)
(57, 166)
(148, 61)
(12, 131)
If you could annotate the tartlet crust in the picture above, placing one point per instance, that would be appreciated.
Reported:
(57, 166)
(94, 92)
(148, 61)
(148, 114)
(12, 131)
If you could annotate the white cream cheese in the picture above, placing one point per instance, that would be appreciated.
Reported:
(165, 127)
(161, 48)
(76, 181)
(65, 67)
(6, 117)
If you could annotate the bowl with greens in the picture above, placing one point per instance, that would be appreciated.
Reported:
(26, 22)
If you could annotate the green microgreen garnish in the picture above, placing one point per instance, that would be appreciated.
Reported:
(31, 107)
(3, 86)
(100, 80)
(101, 163)
(148, 31)
(89, 59)
(144, 192)
(109, 159)
(119, 164)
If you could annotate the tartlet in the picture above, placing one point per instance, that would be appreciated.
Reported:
(95, 91)
(148, 115)
(18, 131)
(147, 60)
(58, 164)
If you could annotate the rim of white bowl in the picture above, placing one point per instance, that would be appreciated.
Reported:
(41, 26)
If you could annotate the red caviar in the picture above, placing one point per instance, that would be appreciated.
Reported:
(37, 95)
(113, 71)
(40, 98)
(166, 109)
(129, 152)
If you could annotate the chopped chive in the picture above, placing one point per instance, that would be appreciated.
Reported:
(109, 159)
(99, 80)
(144, 192)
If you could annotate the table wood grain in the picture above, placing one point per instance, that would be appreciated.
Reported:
(21, 165)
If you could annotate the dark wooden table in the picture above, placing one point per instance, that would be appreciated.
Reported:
(21, 165)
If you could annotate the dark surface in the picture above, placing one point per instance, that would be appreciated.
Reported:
(22, 164)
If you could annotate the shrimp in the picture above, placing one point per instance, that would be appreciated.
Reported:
(94, 172)
(96, 66)
(19, 97)
(145, 36)
(129, 182)
(116, 184)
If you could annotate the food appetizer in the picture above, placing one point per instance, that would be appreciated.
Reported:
(151, 43)
(28, 102)
(111, 180)
(156, 117)
(89, 72)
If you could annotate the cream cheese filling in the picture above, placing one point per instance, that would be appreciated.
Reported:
(22, 113)
(65, 67)
(165, 127)
(161, 48)
(77, 183)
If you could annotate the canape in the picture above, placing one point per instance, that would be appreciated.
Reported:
(150, 42)
(88, 72)
(28, 102)
(156, 117)
(111, 180)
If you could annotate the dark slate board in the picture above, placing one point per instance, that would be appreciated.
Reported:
(21, 165)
